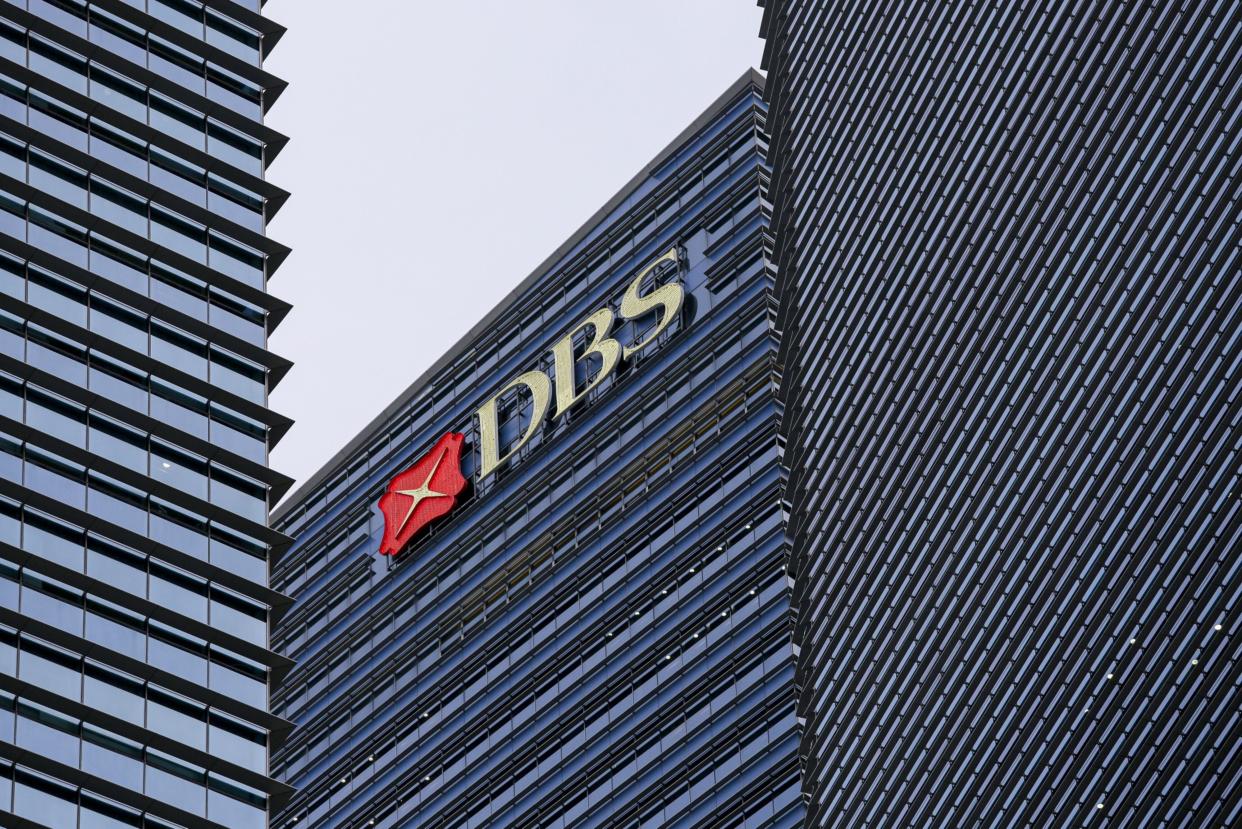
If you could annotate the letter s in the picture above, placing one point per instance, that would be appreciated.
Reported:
(666, 297)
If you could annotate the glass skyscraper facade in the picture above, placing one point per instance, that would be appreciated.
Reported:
(1007, 242)
(599, 632)
(134, 427)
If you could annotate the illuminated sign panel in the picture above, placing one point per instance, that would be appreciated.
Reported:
(428, 489)
(422, 493)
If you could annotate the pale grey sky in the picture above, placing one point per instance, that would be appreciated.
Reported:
(439, 152)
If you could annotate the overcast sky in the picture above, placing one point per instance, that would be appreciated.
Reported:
(439, 152)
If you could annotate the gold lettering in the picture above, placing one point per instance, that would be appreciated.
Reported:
(489, 430)
(607, 348)
(666, 297)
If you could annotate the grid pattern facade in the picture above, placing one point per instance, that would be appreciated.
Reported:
(1007, 243)
(599, 635)
(134, 427)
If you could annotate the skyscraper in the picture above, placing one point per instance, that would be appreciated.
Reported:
(1009, 303)
(586, 618)
(134, 426)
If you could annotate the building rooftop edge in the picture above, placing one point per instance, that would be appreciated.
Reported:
(751, 77)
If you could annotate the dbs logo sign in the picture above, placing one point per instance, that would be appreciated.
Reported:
(429, 489)
(422, 493)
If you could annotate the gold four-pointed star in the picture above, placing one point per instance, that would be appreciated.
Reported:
(422, 493)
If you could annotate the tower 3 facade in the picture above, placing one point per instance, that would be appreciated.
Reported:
(134, 427)
(547, 584)
(1007, 238)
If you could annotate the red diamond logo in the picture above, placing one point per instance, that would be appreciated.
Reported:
(422, 493)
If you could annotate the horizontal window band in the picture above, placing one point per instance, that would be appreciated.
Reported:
(274, 661)
(95, 716)
(73, 156)
(276, 365)
(107, 788)
(143, 422)
(278, 728)
(157, 138)
(143, 76)
(226, 578)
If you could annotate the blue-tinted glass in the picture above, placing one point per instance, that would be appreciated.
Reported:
(240, 686)
(234, 813)
(177, 718)
(231, 557)
(237, 743)
(58, 64)
(44, 801)
(178, 529)
(117, 503)
(97, 813)
(116, 442)
(121, 697)
(176, 782)
(8, 722)
(56, 416)
(52, 539)
(112, 757)
(117, 629)
(179, 591)
(52, 602)
(47, 733)
(178, 654)
(50, 668)
(116, 565)
(67, 14)
(179, 408)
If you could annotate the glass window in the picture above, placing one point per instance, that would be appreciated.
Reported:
(179, 290)
(118, 503)
(57, 64)
(234, 805)
(178, 529)
(179, 408)
(56, 416)
(178, 590)
(237, 742)
(239, 495)
(54, 669)
(117, 442)
(119, 264)
(177, 234)
(119, 695)
(116, 565)
(55, 477)
(53, 539)
(179, 350)
(239, 678)
(112, 626)
(180, 122)
(98, 813)
(232, 147)
(237, 555)
(120, 93)
(53, 602)
(43, 800)
(61, 297)
(119, 382)
(119, 323)
(120, 207)
(177, 653)
(176, 717)
(175, 782)
(112, 757)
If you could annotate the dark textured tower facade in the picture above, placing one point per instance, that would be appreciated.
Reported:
(597, 634)
(1007, 242)
(134, 425)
